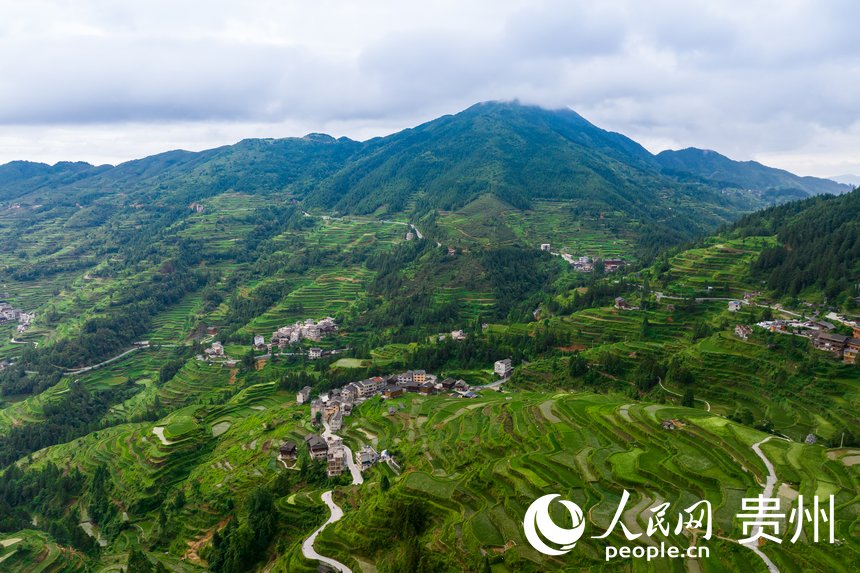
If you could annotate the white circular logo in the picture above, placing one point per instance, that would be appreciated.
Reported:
(538, 519)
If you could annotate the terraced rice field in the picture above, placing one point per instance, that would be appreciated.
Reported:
(325, 295)
(480, 464)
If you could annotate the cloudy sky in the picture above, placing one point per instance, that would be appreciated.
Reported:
(106, 81)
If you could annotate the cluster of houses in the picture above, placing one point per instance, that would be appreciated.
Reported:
(819, 332)
(215, 352)
(332, 451)
(8, 313)
(458, 335)
(295, 333)
(622, 304)
(585, 264)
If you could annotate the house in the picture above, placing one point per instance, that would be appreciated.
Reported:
(419, 376)
(404, 377)
(196, 207)
(668, 424)
(447, 384)
(851, 352)
(742, 331)
(335, 422)
(458, 335)
(410, 235)
(259, 342)
(288, 451)
(369, 387)
(316, 408)
(452, 251)
(544, 247)
(315, 353)
(393, 391)
(503, 367)
(215, 351)
(621, 303)
(350, 392)
(427, 388)
(317, 447)
(332, 407)
(303, 395)
(734, 305)
(366, 457)
(336, 457)
(830, 342)
(412, 387)
(612, 265)
(461, 385)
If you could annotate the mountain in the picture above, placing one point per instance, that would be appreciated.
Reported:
(719, 170)
(818, 250)
(853, 180)
(518, 154)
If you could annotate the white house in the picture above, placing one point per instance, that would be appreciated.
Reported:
(503, 367)
(734, 305)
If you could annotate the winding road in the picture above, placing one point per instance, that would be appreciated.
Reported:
(336, 512)
(770, 483)
(308, 546)
(707, 404)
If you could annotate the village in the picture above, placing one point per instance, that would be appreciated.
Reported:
(819, 332)
(329, 408)
(281, 339)
(8, 313)
(585, 264)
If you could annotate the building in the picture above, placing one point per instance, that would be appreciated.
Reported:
(851, 352)
(612, 265)
(830, 342)
(259, 342)
(393, 391)
(316, 408)
(366, 457)
(317, 447)
(621, 303)
(315, 353)
(734, 305)
(350, 392)
(427, 388)
(419, 376)
(335, 422)
(215, 351)
(336, 458)
(404, 377)
(503, 367)
(288, 452)
(303, 395)
(410, 235)
(544, 247)
(447, 384)
(369, 387)
(742, 331)
(458, 335)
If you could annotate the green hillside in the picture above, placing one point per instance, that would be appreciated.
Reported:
(123, 447)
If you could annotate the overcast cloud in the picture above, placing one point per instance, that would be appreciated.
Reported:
(105, 81)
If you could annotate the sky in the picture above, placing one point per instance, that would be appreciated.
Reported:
(107, 81)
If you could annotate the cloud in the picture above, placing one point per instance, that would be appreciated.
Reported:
(754, 80)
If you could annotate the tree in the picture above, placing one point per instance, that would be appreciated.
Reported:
(385, 483)
(577, 365)
(688, 399)
(138, 562)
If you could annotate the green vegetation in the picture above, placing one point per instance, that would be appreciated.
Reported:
(153, 458)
